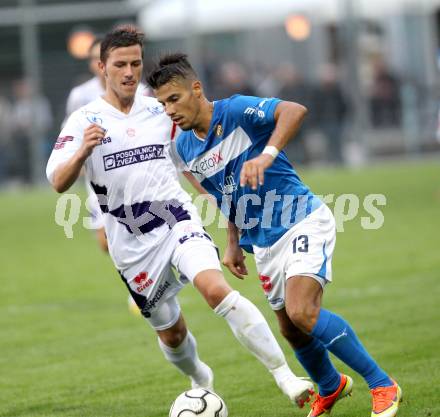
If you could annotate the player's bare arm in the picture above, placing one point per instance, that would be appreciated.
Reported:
(233, 257)
(198, 187)
(288, 119)
(191, 179)
(67, 173)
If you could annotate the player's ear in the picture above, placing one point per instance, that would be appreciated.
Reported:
(197, 88)
(101, 67)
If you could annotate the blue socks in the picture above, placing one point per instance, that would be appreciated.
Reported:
(337, 336)
(314, 359)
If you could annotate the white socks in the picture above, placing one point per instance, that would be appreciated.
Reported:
(185, 358)
(251, 329)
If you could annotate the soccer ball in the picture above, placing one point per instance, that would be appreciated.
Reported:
(198, 402)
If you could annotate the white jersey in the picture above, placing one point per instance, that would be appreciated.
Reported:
(84, 94)
(96, 216)
(81, 95)
(133, 172)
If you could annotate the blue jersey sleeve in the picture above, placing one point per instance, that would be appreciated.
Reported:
(255, 114)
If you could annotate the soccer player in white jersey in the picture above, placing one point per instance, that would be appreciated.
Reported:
(234, 148)
(80, 96)
(123, 142)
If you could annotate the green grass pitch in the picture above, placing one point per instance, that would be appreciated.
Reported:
(69, 347)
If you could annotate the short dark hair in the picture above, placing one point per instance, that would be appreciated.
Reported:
(170, 67)
(121, 36)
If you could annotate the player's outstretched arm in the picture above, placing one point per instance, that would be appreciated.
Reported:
(67, 173)
(233, 257)
(288, 119)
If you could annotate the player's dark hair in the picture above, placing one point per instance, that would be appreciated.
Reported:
(170, 67)
(121, 36)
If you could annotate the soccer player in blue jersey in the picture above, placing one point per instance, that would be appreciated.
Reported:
(234, 147)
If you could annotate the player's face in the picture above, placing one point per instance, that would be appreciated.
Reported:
(123, 70)
(181, 99)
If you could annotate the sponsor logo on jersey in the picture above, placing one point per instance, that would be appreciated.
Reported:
(229, 186)
(93, 117)
(252, 110)
(131, 132)
(133, 156)
(193, 235)
(262, 103)
(61, 141)
(215, 160)
(151, 303)
(155, 110)
(209, 163)
(143, 281)
(106, 140)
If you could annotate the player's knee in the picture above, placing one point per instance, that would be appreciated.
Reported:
(296, 337)
(217, 294)
(213, 287)
(303, 317)
(173, 338)
(227, 303)
(175, 335)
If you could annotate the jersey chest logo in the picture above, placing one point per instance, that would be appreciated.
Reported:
(133, 156)
(217, 158)
(229, 185)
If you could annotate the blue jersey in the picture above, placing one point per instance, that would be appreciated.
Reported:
(240, 129)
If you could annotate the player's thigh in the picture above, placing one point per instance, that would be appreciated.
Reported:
(304, 296)
(167, 315)
(309, 251)
(196, 257)
(270, 263)
(158, 306)
(151, 281)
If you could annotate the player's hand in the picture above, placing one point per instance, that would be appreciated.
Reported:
(233, 259)
(92, 137)
(252, 172)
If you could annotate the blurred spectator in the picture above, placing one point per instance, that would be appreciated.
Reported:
(292, 87)
(5, 136)
(31, 121)
(329, 111)
(91, 89)
(291, 84)
(268, 84)
(385, 106)
(233, 79)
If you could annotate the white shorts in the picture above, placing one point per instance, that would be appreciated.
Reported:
(152, 282)
(306, 249)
